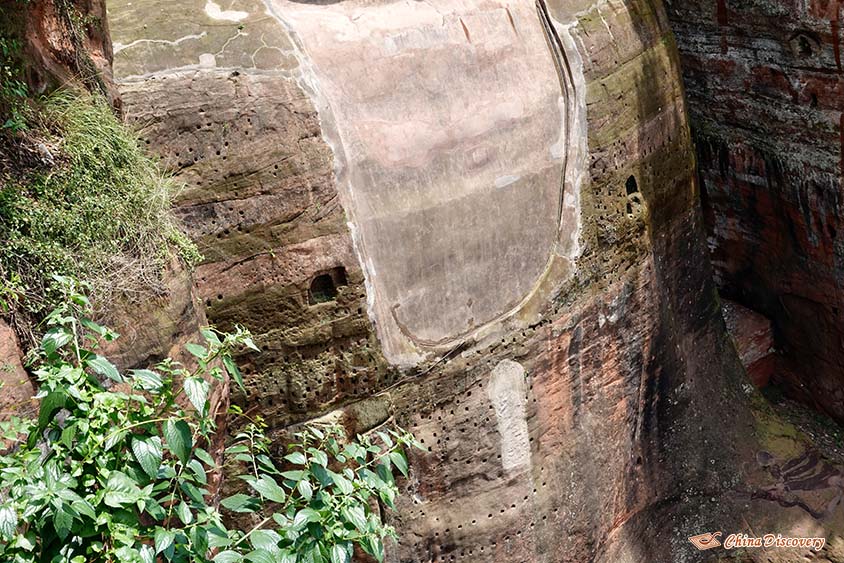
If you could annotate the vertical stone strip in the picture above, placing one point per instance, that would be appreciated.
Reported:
(508, 394)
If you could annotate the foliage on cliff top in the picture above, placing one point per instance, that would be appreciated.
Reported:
(121, 467)
(93, 207)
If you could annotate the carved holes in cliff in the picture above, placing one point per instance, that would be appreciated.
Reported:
(324, 287)
(634, 199)
(804, 44)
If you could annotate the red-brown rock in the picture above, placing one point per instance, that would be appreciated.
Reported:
(764, 83)
(753, 336)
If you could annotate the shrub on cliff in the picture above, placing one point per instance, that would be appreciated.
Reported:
(90, 205)
(119, 467)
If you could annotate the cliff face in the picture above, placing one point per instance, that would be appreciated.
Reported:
(763, 81)
(479, 219)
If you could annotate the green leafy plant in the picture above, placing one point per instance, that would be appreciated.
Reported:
(117, 466)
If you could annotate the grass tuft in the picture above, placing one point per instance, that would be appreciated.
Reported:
(98, 210)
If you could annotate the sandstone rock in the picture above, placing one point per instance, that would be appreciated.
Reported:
(353, 171)
(763, 81)
(64, 43)
(754, 339)
(158, 326)
(16, 390)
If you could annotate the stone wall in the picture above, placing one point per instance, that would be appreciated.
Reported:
(763, 81)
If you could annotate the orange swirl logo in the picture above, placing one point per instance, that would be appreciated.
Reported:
(705, 541)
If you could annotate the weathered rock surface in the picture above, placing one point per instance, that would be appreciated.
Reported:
(764, 86)
(158, 326)
(587, 404)
(63, 43)
(67, 44)
(754, 339)
(16, 390)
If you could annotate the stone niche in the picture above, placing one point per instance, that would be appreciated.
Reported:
(478, 219)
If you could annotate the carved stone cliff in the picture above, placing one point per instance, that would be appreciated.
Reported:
(479, 219)
(764, 85)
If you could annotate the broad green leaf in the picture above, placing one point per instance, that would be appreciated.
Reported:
(341, 553)
(293, 475)
(8, 521)
(239, 503)
(374, 547)
(234, 372)
(54, 339)
(94, 327)
(27, 541)
(355, 516)
(147, 379)
(371, 479)
(388, 496)
(197, 470)
(314, 555)
(386, 439)
(147, 554)
(197, 350)
(320, 457)
(210, 336)
(199, 539)
(184, 513)
(322, 475)
(217, 538)
(268, 488)
(163, 539)
(149, 453)
(193, 493)
(296, 458)
(228, 556)
(305, 489)
(84, 508)
(54, 401)
(114, 438)
(178, 437)
(204, 457)
(260, 556)
(266, 540)
(196, 390)
(343, 484)
(104, 367)
(398, 459)
(121, 490)
(62, 521)
(304, 516)
(68, 434)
